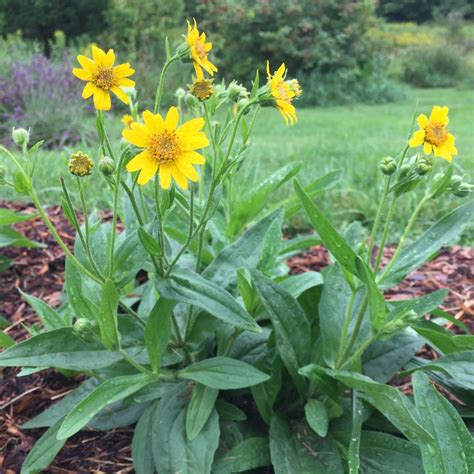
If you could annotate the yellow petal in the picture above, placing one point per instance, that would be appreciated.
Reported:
(178, 177)
(137, 135)
(427, 148)
(124, 82)
(195, 142)
(191, 126)
(101, 99)
(86, 63)
(281, 70)
(82, 74)
(147, 173)
(417, 139)
(172, 117)
(422, 120)
(123, 70)
(194, 157)
(88, 90)
(99, 55)
(187, 169)
(153, 121)
(120, 94)
(140, 161)
(165, 176)
(439, 115)
(110, 58)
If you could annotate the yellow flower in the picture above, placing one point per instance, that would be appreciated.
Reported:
(102, 77)
(283, 93)
(80, 164)
(167, 148)
(199, 50)
(434, 135)
(127, 120)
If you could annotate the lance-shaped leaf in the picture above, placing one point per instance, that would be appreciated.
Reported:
(291, 327)
(452, 447)
(142, 453)
(199, 409)
(60, 349)
(191, 288)
(107, 317)
(223, 373)
(106, 393)
(335, 243)
(50, 318)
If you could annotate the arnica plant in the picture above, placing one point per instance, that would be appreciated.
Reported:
(185, 320)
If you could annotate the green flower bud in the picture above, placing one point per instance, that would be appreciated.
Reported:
(180, 93)
(191, 101)
(131, 92)
(456, 181)
(86, 329)
(388, 165)
(21, 136)
(235, 90)
(462, 190)
(80, 164)
(107, 166)
(404, 170)
(424, 166)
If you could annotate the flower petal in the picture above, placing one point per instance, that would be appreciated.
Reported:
(82, 74)
(172, 117)
(86, 63)
(191, 126)
(137, 135)
(165, 176)
(109, 58)
(194, 157)
(178, 176)
(99, 55)
(439, 115)
(120, 94)
(101, 99)
(123, 70)
(422, 120)
(140, 161)
(147, 172)
(187, 169)
(417, 139)
(153, 121)
(427, 148)
(88, 90)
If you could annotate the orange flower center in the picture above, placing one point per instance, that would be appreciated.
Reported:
(200, 49)
(164, 146)
(436, 134)
(283, 92)
(104, 78)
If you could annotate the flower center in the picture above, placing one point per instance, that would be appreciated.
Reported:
(436, 134)
(283, 91)
(104, 78)
(164, 146)
(202, 89)
(200, 49)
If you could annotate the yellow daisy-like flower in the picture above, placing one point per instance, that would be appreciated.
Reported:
(434, 135)
(102, 77)
(199, 50)
(167, 148)
(127, 120)
(283, 93)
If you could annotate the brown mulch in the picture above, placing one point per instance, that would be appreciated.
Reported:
(40, 272)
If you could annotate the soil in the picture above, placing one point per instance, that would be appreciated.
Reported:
(40, 272)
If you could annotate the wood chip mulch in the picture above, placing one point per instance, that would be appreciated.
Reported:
(40, 272)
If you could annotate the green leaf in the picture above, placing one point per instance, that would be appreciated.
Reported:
(172, 451)
(383, 359)
(223, 373)
(301, 452)
(291, 246)
(142, 453)
(377, 308)
(246, 290)
(60, 349)
(353, 459)
(335, 243)
(50, 318)
(8, 217)
(106, 393)
(442, 339)
(317, 417)
(191, 288)
(107, 316)
(44, 451)
(321, 380)
(423, 304)
(69, 213)
(12, 238)
(271, 248)
(458, 366)
(244, 252)
(395, 406)
(296, 285)
(251, 453)
(452, 447)
(157, 331)
(441, 184)
(382, 452)
(150, 244)
(229, 412)
(6, 341)
(443, 232)
(292, 334)
(22, 183)
(199, 409)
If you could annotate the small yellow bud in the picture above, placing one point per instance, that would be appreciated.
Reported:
(127, 120)
(202, 89)
(80, 164)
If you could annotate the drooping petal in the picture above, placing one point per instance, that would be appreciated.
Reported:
(172, 117)
(140, 161)
(417, 139)
(88, 90)
(120, 94)
(178, 177)
(427, 148)
(101, 99)
(422, 120)
(165, 176)
(187, 169)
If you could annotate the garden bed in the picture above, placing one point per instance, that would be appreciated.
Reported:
(40, 272)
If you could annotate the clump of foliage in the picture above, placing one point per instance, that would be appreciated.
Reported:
(225, 361)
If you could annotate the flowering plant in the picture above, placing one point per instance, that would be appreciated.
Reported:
(188, 323)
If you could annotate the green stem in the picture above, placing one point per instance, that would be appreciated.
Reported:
(159, 89)
(403, 238)
(345, 327)
(132, 313)
(378, 216)
(159, 216)
(355, 332)
(134, 363)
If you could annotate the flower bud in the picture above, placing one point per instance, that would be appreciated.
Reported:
(456, 181)
(80, 164)
(424, 166)
(235, 90)
(463, 190)
(107, 166)
(183, 52)
(180, 93)
(21, 136)
(127, 120)
(131, 92)
(404, 170)
(191, 101)
(86, 329)
(388, 165)
(202, 89)
(295, 87)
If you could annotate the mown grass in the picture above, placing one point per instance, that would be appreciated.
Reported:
(352, 138)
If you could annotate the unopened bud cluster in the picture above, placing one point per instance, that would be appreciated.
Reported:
(80, 164)
(388, 165)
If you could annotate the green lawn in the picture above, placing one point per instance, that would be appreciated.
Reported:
(352, 138)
